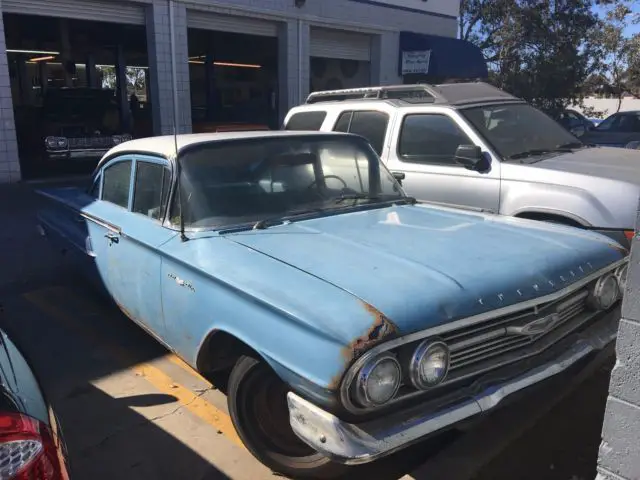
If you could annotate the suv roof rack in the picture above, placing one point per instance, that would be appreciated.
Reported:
(420, 93)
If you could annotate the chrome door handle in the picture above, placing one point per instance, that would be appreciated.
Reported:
(113, 237)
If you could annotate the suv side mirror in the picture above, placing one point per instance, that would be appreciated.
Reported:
(399, 176)
(470, 156)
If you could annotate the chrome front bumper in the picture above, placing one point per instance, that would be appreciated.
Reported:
(361, 443)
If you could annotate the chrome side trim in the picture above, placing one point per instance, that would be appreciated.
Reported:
(362, 443)
(464, 322)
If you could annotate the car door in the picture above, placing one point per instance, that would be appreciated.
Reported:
(125, 227)
(423, 147)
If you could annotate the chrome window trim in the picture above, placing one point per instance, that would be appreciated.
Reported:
(353, 370)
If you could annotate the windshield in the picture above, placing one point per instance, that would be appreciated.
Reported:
(253, 180)
(519, 128)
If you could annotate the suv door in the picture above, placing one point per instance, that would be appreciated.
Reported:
(423, 147)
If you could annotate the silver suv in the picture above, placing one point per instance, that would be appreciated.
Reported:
(472, 145)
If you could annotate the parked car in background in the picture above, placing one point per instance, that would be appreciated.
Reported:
(80, 123)
(31, 441)
(618, 130)
(595, 121)
(471, 145)
(354, 320)
(575, 122)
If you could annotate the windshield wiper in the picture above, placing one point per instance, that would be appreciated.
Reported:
(355, 196)
(266, 222)
(529, 153)
(543, 151)
(570, 145)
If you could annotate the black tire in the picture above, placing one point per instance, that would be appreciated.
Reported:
(258, 407)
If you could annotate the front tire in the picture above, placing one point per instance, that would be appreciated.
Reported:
(257, 400)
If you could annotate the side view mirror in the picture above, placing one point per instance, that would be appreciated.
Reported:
(470, 156)
(399, 176)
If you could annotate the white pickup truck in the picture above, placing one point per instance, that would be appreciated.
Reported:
(472, 145)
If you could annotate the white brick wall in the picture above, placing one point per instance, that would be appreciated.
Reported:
(9, 164)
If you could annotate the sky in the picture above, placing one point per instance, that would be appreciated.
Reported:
(631, 29)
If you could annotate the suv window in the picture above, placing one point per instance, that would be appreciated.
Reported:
(151, 189)
(371, 125)
(430, 138)
(117, 180)
(306, 121)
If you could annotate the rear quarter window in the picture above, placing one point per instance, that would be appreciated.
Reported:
(306, 121)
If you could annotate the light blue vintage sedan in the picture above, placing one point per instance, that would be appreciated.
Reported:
(353, 320)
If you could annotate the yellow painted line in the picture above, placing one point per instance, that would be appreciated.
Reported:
(176, 360)
(160, 380)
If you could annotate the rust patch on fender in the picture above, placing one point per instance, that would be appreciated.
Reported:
(381, 328)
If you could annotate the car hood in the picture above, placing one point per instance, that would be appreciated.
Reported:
(19, 388)
(604, 162)
(422, 266)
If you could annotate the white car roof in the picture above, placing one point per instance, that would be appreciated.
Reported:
(165, 145)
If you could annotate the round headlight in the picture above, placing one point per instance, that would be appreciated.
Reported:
(605, 293)
(621, 276)
(429, 364)
(378, 381)
(62, 142)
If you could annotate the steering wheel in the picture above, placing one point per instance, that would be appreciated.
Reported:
(312, 184)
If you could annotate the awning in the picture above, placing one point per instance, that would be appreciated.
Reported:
(440, 56)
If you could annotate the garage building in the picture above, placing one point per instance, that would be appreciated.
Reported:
(106, 70)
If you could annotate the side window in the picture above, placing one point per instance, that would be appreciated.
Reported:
(431, 139)
(117, 180)
(344, 120)
(151, 189)
(306, 121)
(369, 124)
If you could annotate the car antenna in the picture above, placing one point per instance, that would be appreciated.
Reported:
(183, 237)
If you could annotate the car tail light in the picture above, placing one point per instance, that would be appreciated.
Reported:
(28, 450)
(629, 234)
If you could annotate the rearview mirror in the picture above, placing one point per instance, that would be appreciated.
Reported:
(470, 156)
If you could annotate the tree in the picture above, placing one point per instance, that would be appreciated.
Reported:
(618, 54)
(535, 49)
(136, 78)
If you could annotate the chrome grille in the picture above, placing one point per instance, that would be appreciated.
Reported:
(479, 343)
(91, 142)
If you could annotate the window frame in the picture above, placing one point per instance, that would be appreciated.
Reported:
(156, 161)
(111, 163)
(97, 181)
(403, 159)
(352, 112)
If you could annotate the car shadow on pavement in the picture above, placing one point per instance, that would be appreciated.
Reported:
(106, 435)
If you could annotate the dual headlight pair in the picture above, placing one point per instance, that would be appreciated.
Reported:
(56, 142)
(609, 288)
(379, 380)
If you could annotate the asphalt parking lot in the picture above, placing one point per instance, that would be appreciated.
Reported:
(131, 410)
